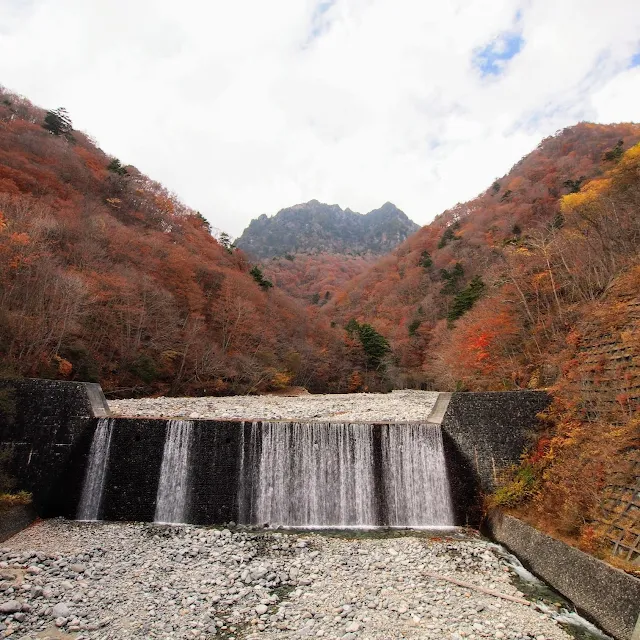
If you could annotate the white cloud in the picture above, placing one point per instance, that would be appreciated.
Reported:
(246, 107)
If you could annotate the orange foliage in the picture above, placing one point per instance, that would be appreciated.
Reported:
(109, 277)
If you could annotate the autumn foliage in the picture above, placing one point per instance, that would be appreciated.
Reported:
(106, 276)
(537, 249)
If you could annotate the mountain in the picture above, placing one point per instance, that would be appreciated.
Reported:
(421, 294)
(314, 227)
(106, 276)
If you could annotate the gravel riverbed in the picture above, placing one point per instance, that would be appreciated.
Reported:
(61, 579)
(397, 406)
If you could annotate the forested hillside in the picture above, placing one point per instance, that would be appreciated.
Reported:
(106, 276)
(314, 227)
(315, 278)
(484, 297)
(534, 284)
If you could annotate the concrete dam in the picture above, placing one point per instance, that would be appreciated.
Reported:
(287, 475)
(82, 463)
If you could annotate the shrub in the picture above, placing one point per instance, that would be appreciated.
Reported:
(8, 500)
(520, 486)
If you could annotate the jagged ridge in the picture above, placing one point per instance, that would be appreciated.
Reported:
(314, 227)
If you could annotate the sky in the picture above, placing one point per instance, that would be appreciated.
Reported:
(245, 107)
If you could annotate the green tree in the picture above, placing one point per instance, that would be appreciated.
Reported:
(425, 260)
(258, 276)
(616, 153)
(58, 122)
(225, 241)
(466, 298)
(374, 344)
(448, 235)
(205, 223)
(115, 167)
(452, 279)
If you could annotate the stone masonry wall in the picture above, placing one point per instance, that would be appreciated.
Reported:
(484, 433)
(45, 425)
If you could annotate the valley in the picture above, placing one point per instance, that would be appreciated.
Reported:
(301, 377)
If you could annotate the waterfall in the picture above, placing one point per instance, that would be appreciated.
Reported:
(415, 476)
(171, 499)
(344, 475)
(93, 486)
(309, 475)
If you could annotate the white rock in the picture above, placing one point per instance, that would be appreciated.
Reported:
(61, 610)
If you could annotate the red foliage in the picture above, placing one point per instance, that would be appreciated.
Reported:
(110, 277)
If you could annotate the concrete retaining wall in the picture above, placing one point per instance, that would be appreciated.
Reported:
(608, 596)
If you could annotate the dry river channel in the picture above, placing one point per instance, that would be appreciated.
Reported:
(61, 579)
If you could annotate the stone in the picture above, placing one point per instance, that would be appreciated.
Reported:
(12, 606)
(61, 610)
(77, 568)
(147, 576)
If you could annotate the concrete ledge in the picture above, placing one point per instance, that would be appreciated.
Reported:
(15, 519)
(439, 408)
(607, 596)
(33, 398)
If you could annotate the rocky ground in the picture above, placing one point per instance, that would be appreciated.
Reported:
(104, 581)
(349, 407)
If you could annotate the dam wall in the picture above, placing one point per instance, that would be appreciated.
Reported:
(48, 427)
(483, 434)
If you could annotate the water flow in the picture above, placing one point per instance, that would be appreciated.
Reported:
(415, 476)
(344, 475)
(92, 489)
(171, 499)
(311, 475)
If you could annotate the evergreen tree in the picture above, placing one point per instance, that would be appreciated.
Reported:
(452, 279)
(466, 299)
(225, 241)
(115, 167)
(258, 276)
(616, 153)
(374, 344)
(58, 122)
(425, 260)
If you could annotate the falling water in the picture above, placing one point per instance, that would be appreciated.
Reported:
(93, 486)
(310, 475)
(415, 476)
(171, 499)
(344, 475)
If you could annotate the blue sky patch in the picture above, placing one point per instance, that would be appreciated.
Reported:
(635, 60)
(318, 21)
(492, 59)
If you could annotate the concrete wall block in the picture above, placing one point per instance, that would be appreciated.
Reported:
(607, 596)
